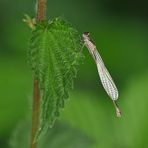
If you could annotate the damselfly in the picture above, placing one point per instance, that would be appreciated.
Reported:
(105, 77)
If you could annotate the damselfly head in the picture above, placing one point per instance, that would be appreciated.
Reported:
(86, 34)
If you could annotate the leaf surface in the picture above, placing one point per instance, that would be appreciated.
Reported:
(54, 56)
(61, 136)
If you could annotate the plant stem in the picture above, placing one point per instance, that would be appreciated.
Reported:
(35, 113)
(36, 92)
(41, 10)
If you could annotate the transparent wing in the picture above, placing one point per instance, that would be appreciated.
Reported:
(105, 77)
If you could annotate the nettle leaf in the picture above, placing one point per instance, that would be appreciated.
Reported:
(62, 135)
(54, 56)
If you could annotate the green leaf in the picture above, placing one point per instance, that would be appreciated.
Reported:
(94, 114)
(62, 135)
(20, 136)
(134, 125)
(54, 56)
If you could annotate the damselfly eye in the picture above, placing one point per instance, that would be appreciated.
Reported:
(86, 33)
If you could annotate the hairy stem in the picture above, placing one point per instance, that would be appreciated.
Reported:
(41, 10)
(36, 92)
(35, 113)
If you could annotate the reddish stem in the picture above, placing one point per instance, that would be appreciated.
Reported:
(41, 10)
(35, 113)
(36, 92)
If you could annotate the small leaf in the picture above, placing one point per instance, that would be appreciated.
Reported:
(20, 137)
(62, 136)
(54, 56)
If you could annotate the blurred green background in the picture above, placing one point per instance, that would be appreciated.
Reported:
(120, 30)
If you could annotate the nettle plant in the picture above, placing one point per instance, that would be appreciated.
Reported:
(55, 52)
